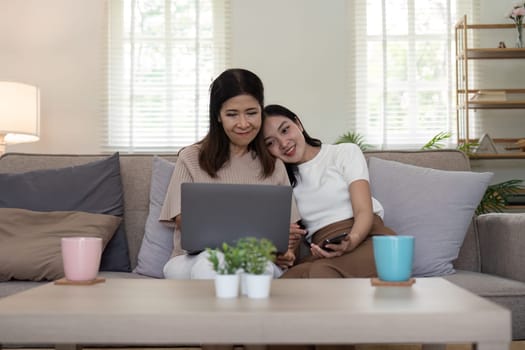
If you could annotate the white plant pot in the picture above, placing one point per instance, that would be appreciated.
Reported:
(227, 286)
(244, 288)
(258, 286)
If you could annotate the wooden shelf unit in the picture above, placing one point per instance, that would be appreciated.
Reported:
(469, 99)
(496, 53)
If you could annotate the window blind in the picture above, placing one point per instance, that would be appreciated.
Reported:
(162, 57)
(402, 70)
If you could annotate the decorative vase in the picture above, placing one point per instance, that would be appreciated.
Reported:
(519, 38)
(227, 286)
(258, 286)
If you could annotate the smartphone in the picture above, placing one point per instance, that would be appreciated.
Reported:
(334, 240)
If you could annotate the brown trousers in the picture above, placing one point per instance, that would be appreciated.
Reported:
(356, 263)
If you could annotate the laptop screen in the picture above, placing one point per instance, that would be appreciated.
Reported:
(213, 213)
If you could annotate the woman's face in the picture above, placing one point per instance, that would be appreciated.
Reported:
(241, 120)
(284, 139)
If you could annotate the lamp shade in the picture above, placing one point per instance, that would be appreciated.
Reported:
(19, 113)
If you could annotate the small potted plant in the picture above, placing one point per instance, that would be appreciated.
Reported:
(226, 264)
(256, 254)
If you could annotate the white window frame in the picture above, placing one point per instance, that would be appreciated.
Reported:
(159, 68)
(413, 133)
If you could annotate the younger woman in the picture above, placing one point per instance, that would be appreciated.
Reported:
(330, 185)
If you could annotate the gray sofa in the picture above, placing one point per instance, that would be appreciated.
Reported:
(490, 261)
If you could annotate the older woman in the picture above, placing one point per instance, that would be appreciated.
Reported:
(233, 151)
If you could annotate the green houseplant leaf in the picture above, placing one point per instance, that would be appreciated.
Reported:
(435, 142)
(354, 137)
(494, 199)
(232, 259)
(256, 253)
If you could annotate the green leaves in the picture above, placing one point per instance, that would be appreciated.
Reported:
(435, 142)
(467, 147)
(250, 254)
(353, 137)
(494, 199)
(256, 254)
(232, 259)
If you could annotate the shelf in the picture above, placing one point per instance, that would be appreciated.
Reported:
(471, 98)
(495, 53)
(497, 99)
(501, 151)
(461, 24)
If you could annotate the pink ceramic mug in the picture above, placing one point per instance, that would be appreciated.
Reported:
(81, 257)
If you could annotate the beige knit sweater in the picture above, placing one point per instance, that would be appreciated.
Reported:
(238, 170)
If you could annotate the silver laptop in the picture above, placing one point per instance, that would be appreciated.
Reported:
(216, 213)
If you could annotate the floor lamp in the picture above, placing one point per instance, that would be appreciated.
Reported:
(19, 113)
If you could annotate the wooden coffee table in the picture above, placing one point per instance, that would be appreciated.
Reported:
(151, 312)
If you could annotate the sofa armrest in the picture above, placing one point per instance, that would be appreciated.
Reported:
(502, 244)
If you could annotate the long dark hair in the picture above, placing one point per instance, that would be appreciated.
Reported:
(278, 110)
(215, 146)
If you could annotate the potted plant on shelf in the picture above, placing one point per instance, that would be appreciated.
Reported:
(226, 264)
(256, 254)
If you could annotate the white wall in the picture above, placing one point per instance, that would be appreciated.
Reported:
(297, 47)
(56, 45)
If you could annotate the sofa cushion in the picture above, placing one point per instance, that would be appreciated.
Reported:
(434, 206)
(13, 287)
(157, 244)
(468, 257)
(503, 291)
(30, 240)
(93, 187)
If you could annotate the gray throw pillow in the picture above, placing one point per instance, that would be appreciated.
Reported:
(93, 187)
(157, 243)
(434, 206)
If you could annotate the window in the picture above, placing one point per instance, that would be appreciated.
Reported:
(162, 57)
(402, 69)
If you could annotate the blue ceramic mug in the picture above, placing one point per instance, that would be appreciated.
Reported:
(393, 256)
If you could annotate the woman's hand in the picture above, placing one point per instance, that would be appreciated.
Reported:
(337, 249)
(296, 234)
(286, 260)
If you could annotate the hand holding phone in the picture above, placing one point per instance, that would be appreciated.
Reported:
(334, 240)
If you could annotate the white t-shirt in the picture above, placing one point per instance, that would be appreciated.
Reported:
(322, 189)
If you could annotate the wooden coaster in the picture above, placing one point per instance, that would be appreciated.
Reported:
(380, 283)
(64, 281)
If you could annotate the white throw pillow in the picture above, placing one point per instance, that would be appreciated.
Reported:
(434, 206)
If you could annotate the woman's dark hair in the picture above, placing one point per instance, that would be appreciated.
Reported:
(215, 147)
(278, 110)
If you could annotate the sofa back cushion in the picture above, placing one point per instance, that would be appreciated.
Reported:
(136, 173)
(157, 244)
